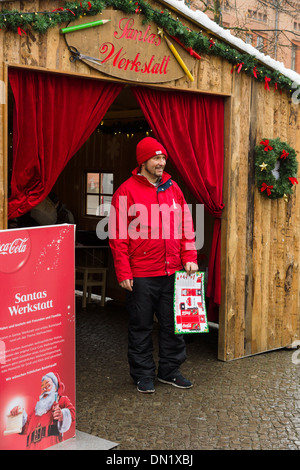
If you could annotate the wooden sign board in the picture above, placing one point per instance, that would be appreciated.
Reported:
(128, 49)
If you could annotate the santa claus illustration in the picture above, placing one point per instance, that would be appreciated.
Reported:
(52, 416)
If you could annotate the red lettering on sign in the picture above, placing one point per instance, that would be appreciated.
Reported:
(128, 32)
(120, 61)
(104, 48)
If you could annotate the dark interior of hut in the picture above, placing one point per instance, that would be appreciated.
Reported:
(95, 172)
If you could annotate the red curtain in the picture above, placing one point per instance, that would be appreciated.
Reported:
(191, 127)
(53, 116)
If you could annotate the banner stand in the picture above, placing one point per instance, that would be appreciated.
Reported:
(37, 337)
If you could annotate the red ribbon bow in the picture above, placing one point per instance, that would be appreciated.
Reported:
(267, 80)
(212, 43)
(239, 67)
(67, 9)
(138, 9)
(20, 31)
(293, 180)
(194, 53)
(266, 144)
(189, 49)
(276, 88)
(264, 187)
(255, 72)
(284, 154)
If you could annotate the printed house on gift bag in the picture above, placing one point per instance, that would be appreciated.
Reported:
(105, 76)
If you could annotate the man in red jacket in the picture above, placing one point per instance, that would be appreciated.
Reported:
(151, 236)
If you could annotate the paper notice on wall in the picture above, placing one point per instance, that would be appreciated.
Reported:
(189, 303)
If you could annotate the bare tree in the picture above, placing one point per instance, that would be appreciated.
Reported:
(273, 37)
(213, 6)
(287, 7)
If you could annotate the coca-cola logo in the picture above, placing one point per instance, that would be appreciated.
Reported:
(14, 250)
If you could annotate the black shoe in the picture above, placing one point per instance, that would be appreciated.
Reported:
(145, 385)
(178, 381)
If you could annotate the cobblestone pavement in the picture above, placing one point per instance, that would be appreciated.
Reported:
(247, 404)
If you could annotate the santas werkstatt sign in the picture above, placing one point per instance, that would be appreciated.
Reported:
(125, 48)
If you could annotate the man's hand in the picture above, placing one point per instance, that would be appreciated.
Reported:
(57, 413)
(127, 284)
(16, 410)
(191, 268)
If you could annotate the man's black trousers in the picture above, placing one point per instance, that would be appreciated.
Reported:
(153, 295)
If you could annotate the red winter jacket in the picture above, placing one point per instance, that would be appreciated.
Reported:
(144, 228)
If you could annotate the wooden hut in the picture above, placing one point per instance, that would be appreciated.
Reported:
(259, 306)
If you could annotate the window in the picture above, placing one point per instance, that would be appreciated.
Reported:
(294, 50)
(249, 38)
(260, 43)
(257, 15)
(98, 194)
(252, 14)
(226, 5)
(295, 62)
(296, 26)
(262, 17)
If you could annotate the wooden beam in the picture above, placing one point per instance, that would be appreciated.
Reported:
(125, 114)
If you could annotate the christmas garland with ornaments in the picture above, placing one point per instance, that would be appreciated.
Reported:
(275, 168)
(26, 23)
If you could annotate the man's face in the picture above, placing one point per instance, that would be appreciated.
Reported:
(46, 387)
(155, 166)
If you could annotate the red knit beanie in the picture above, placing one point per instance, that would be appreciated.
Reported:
(148, 148)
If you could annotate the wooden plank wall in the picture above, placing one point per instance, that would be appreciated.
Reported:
(260, 238)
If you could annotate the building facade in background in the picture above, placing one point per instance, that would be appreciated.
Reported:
(272, 26)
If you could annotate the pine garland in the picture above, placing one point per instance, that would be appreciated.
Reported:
(23, 22)
(267, 154)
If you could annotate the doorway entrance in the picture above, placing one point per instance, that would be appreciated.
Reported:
(107, 156)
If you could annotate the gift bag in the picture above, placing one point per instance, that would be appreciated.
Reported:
(189, 303)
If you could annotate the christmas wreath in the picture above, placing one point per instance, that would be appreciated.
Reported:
(275, 168)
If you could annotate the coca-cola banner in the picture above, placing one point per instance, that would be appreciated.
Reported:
(37, 337)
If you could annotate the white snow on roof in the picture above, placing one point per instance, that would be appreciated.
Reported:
(203, 20)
